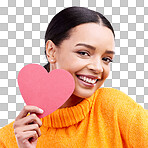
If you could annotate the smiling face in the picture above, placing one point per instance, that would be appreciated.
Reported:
(86, 55)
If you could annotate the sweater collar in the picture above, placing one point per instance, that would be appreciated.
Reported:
(68, 116)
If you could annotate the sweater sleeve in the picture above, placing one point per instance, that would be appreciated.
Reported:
(138, 130)
(7, 137)
(133, 121)
(130, 117)
(2, 144)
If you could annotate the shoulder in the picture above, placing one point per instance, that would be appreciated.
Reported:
(113, 98)
(123, 111)
(112, 102)
(6, 129)
(7, 136)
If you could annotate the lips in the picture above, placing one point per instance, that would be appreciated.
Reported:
(88, 79)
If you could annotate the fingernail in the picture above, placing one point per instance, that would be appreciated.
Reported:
(41, 111)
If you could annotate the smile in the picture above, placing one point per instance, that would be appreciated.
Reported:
(87, 79)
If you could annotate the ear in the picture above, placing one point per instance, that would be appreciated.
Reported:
(50, 51)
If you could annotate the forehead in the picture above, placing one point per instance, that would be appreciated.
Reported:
(93, 34)
(92, 29)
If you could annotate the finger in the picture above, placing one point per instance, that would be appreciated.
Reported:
(28, 109)
(25, 136)
(31, 127)
(31, 119)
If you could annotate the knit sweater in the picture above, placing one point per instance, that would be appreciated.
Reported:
(108, 119)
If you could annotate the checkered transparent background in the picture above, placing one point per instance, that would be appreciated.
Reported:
(22, 27)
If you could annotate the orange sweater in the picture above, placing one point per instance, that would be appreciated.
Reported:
(108, 119)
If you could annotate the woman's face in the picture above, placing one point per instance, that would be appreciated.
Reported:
(86, 55)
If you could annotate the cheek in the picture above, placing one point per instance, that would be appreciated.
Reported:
(64, 59)
(106, 71)
(70, 63)
(70, 66)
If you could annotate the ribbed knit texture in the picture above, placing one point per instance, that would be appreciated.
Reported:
(68, 116)
(108, 119)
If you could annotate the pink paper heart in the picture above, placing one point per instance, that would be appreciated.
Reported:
(47, 91)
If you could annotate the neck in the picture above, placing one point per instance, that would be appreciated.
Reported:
(72, 101)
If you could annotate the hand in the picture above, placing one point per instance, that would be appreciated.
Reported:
(27, 128)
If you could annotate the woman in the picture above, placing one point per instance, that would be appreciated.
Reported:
(81, 41)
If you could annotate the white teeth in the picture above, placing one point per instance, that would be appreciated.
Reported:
(88, 80)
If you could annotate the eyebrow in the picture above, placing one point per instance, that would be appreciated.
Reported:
(109, 52)
(86, 45)
(92, 47)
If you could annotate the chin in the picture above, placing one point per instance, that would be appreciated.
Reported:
(84, 94)
(83, 91)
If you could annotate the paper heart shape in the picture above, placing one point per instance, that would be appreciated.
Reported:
(47, 91)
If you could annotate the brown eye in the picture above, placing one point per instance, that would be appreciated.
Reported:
(108, 60)
(83, 53)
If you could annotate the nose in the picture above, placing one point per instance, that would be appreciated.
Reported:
(96, 66)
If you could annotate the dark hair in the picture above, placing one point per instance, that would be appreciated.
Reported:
(60, 26)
